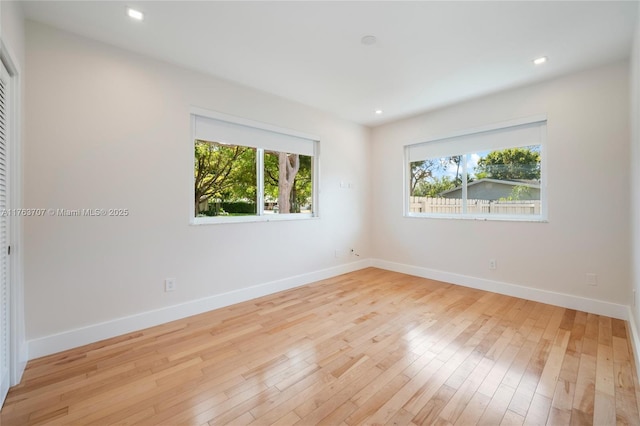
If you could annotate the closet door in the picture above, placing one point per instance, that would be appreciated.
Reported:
(5, 306)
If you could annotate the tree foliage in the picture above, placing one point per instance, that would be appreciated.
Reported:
(227, 174)
(519, 192)
(431, 177)
(510, 164)
(223, 172)
(424, 175)
(287, 178)
(420, 172)
(432, 188)
(456, 160)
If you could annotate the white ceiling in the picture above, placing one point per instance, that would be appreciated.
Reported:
(429, 54)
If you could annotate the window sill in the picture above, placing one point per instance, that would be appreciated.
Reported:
(218, 220)
(499, 218)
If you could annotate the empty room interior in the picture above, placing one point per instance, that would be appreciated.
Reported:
(341, 213)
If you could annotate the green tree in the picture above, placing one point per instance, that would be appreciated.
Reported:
(455, 160)
(519, 192)
(301, 191)
(510, 164)
(421, 171)
(424, 174)
(288, 166)
(434, 187)
(287, 178)
(222, 172)
(227, 173)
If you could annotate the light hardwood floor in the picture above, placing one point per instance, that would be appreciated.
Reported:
(370, 347)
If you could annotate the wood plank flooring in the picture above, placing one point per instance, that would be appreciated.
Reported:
(370, 347)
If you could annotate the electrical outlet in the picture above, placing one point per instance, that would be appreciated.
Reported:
(493, 264)
(592, 279)
(354, 254)
(169, 284)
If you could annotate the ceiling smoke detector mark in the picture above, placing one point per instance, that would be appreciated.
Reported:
(368, 40)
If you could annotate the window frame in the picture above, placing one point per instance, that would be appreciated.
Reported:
(259, 216)
(543, 217)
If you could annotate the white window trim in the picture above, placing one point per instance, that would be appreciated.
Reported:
(260, 216)
(543, 217)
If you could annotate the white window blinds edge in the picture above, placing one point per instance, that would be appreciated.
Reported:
(509, 137)
(228, 133)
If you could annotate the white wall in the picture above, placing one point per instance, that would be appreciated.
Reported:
(111, 129)
(635, 187)
(12, 29)
(108, 128)
(588, 175)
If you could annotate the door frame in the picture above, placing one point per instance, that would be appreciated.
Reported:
(18, 352)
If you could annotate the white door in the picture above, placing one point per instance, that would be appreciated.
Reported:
(5, 328)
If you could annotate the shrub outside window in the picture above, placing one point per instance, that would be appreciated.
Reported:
(493, 173)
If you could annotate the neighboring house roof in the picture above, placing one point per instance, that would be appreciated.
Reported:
(495, 189)
(528, 183)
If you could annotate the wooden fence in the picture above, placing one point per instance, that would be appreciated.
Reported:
(454, 205)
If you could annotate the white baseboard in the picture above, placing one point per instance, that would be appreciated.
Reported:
(81, 336)
(552, 298)
(78, 337)
(635, 340)
(593, 306)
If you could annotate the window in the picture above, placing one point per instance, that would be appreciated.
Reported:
(249, 171)
(492, 173)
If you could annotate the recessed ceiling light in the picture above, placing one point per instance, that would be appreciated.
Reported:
(540, 61)
(135, 14)
(378, 111)
(368, 40)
